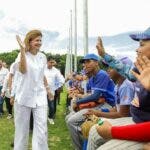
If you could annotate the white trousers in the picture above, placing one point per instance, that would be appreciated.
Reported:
(22, 119)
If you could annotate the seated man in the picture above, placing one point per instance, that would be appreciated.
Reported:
(124, 92)
(101, 86)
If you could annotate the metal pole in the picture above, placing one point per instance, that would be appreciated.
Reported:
(69, 54)
(71, 38)
(75, 36)
(85, 26)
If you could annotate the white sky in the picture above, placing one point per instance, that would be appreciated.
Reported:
(106, 17)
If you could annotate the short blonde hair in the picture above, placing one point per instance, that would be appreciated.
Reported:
(30, 36)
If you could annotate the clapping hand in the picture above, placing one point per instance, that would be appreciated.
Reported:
(143, 65)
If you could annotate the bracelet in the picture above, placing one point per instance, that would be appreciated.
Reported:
(100, 122)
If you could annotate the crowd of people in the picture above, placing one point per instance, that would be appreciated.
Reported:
(124, 115)
(118, 97)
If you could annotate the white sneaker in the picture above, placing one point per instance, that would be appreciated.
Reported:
(9, 116)
(51, 121)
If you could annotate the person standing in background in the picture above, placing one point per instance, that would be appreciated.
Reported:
(55, 80)
(3, 72)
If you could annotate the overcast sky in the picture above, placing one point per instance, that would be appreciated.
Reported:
(106, 17)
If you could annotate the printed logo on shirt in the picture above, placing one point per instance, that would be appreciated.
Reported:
(125, 98)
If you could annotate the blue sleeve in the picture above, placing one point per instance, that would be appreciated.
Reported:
(70, 83)
(101, 82)
(88, 87)
(91, 98)
(121, 68)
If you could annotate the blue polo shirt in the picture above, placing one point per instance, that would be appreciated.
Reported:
(101, 86)
(88, 87)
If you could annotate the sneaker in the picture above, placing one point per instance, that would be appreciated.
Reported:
(51, 121)
(1, 114)
(9, 116)
(12, 144)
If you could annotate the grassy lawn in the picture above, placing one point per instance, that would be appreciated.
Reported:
(58, 136)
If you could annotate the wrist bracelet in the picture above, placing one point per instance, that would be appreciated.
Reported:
(100, 122)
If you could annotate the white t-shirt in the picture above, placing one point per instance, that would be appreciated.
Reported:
(54, 78)
(30, 90)
(14, 70)
(5, 86)
(3, 73)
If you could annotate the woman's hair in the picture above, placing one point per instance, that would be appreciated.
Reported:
(30, 36)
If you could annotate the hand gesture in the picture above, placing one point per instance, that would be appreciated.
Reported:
(22, 46)
(143, 65)
(100, 47)
(104, 130)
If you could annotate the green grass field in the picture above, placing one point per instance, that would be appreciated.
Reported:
(58, 136)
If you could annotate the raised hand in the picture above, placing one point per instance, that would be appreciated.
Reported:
(22, 46)
(100, 47)
(143, 65)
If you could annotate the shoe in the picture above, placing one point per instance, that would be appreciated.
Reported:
(1, 114)
(9, 116)
(12, 144)
(51, 121)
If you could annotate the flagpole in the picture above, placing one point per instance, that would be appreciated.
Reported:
(85, 26)
(75, 36)
(71, 40)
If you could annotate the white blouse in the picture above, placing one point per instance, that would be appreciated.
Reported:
(30, 90)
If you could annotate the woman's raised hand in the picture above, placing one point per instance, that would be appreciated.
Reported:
(21, 44)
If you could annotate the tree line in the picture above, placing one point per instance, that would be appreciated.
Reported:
(9, 58)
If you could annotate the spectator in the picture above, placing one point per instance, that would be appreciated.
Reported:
(3, 73)
(101, 86)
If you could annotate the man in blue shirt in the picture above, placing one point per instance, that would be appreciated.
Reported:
(101, 86)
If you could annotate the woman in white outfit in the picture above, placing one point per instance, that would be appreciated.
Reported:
(31, 93)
